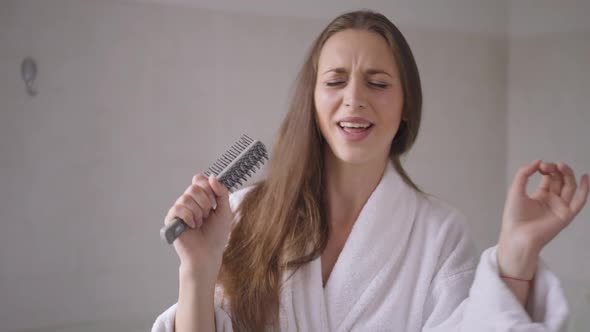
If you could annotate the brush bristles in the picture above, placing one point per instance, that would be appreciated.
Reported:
(238, 162)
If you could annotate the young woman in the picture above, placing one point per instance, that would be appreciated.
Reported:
(338, 237)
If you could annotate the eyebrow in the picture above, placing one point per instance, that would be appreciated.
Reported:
(370, 71)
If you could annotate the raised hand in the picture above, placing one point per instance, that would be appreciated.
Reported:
(204, 206)
(530, 222)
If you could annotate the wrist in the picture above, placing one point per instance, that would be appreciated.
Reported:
(196, 298)
(520, 288)
(516, 279)
(201, 276)
(517, 262)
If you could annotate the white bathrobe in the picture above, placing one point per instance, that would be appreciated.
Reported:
(407, 265)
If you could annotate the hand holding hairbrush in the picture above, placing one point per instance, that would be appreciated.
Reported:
(200, 200)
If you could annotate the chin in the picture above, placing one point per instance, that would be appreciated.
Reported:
(358, 157)
(358, 154)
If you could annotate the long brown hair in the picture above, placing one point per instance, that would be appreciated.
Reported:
(281, 224)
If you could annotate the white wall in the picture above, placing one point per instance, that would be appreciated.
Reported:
(549, 118)
(136, 98)
(133, 100)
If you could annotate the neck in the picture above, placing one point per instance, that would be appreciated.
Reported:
(348, 187)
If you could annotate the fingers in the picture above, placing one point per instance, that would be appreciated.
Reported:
(560, 209)
(202, 194)
(581, 197)
(196, 198)
(195, 204)
(522, 176)
(551, 179)
(221, 192)
(202, 182)
(569, 182)
(560, 179)
(188, 215)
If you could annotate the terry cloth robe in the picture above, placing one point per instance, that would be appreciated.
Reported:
(407, 265)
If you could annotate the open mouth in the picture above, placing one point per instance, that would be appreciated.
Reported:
(354, 127)
(355, 131)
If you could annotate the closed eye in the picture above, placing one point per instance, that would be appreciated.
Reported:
(375, 84)
(379, 85)
(334, 83)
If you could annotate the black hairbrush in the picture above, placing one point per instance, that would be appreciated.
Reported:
(233, 167)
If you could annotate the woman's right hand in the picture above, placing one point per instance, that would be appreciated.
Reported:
(204, 207)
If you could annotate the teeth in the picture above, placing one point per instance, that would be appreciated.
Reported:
(354, 125)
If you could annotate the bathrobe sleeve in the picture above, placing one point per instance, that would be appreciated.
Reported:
(466, 297)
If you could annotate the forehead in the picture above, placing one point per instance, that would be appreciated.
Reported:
(357, 48)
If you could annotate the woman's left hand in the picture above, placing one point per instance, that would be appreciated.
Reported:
(530, 222)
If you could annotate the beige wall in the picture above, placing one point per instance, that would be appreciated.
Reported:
(136, 98)
(549, 118)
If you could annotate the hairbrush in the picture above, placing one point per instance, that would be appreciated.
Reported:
(237, 164)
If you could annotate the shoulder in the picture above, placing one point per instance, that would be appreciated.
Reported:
(447, 234)
(440, 216)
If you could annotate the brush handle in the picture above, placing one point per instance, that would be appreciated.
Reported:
(170, 232)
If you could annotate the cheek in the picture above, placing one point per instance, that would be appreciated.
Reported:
(326, 100)
(326, 103)
(390, 109)
(393, 97)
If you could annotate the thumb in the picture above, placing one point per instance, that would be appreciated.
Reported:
(220, 191)
(519, 186)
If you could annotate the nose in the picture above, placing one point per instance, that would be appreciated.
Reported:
(354, 95)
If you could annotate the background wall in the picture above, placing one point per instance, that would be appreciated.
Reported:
(135, 97)
(549, 117)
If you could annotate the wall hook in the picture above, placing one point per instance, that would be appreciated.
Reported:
(29, 74)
